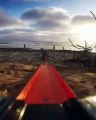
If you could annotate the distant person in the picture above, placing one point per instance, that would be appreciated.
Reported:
(54, 47)
(44, 55)
(24, 46)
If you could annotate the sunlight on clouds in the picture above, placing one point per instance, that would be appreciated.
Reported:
(45, 24)
(87, 33)
(62, 10)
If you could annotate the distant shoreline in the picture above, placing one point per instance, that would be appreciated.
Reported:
(30, 49)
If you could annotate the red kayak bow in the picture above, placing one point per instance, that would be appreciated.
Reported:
(46, 87)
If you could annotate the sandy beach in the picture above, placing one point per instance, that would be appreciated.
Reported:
(16, 69)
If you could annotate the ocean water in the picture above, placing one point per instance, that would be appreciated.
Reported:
(49, 44)
(34, 45)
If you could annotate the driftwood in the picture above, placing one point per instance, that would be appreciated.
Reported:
(86, 55)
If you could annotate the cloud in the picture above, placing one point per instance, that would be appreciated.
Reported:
(83, 20)
(6, 20)
(46, 18)
(43, 26)
(31, 39)
(44, 13)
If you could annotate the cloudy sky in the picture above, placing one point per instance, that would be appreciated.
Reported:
(44, 23)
